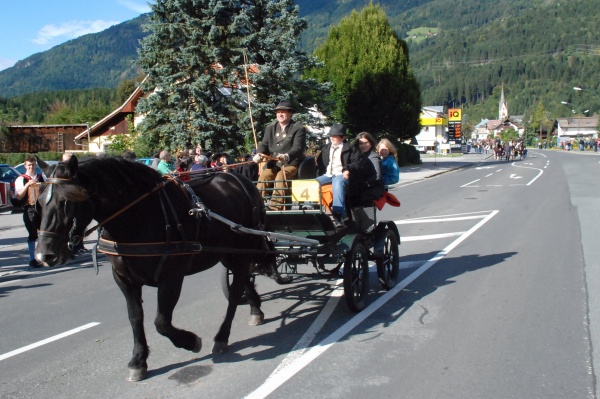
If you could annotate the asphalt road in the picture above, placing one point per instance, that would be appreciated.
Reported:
(499, 298)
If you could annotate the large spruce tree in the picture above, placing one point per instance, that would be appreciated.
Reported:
(194, 59)
(373, 87)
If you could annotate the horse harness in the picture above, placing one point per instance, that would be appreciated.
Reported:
(162, 249)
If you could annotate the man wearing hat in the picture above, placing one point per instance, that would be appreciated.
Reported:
(331, 169)
(283, 145)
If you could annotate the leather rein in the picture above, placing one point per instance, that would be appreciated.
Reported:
(56, 180)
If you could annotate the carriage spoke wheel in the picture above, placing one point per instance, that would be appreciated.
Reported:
(356, 277)
(388, 266)
(227, 280)
(284, 269)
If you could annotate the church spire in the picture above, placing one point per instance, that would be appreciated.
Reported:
(503, 108)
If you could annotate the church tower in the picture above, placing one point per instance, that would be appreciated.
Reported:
(503, 108)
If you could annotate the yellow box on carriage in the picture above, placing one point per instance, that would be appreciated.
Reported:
(305, 191)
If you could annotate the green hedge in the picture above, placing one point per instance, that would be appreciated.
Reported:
(408, 155)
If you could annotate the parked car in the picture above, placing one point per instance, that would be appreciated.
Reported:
(145, 161)
(8, 174)
(21, 167)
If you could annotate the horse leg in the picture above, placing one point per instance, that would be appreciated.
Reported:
(257, 317)
(138, 367)
(235, 296)
(169, 290)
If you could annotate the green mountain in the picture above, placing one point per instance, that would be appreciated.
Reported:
(461, 52)
(90, 61)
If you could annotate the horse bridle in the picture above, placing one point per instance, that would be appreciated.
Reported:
(73, 238)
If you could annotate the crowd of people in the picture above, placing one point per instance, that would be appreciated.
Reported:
(584, 144)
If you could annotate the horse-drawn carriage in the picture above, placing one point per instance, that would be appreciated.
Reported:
(306, 235)
(156, 231)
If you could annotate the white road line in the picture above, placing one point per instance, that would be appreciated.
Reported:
(47, 341)
(474, 181)
(491, 174)
(482, 213)
(304, 342)
(438, 220)
(527, 167)
(274, 381)
(431, 236)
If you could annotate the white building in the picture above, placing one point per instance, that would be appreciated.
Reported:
(434, 124)
(576, 127)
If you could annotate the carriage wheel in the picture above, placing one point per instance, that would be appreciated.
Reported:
(283, 270)
(227, 280)
(356, 276)
(388, 265)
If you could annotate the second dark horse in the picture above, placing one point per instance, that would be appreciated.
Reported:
(151, 239)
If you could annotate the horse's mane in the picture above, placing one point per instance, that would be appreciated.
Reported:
(108, 179)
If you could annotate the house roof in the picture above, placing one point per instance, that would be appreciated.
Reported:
(127, 107)
(494, 124)
(482, 123)
(578, 122)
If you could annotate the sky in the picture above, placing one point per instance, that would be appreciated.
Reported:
(38, 25)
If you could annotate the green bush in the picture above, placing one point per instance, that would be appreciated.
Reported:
(408, 155)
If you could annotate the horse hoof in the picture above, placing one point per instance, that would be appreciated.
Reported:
(137, 374)
(256, 319)
(198, 345)
(220, 347)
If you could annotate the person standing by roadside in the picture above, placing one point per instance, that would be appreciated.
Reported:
(24, 191)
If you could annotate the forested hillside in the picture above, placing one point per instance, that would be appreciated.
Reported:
(539, 49)
(90, 61)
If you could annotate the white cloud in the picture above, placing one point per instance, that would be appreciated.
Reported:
(70, 30)
(142, 8)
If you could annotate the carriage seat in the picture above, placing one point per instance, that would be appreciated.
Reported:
(307, 168)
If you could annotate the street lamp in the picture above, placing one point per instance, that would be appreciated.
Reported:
(588, 90)
(573, 110)
(566, 103)
(591, 91)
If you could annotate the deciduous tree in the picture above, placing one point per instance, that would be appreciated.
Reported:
(373, 87)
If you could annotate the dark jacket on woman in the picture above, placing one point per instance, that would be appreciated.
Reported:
(365, 184)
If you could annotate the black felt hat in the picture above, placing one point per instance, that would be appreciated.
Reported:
(284, 105)
(337, 130)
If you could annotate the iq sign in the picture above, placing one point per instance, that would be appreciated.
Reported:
(454, 115)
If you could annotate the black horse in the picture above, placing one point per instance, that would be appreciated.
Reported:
(151, 238)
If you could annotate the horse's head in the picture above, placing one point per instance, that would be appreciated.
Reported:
(65, 212)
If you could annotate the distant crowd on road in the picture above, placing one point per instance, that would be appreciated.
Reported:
(584, 144)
